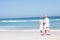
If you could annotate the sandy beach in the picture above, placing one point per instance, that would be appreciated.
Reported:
(28, 35)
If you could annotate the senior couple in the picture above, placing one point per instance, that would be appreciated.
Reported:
(44, 25)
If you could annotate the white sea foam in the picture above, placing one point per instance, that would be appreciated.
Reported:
(57, 19)
(35, 20)
(19, 20)
(13, 21)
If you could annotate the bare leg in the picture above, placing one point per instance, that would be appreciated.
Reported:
(42, 33)
(48, 32)
(45, 31)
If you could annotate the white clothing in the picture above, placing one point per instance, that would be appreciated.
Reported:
(41, 24)
(46, 23)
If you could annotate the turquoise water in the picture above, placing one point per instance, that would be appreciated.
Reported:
(27, 23)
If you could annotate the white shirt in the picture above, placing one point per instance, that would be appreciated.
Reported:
(46, 21)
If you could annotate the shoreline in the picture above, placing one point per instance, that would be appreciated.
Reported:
(28, 30)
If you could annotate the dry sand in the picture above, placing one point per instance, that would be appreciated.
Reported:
(28, 35)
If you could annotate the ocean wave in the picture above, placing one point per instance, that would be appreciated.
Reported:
(35, 20)
(57, 19)
(13, 21)
(19, 20)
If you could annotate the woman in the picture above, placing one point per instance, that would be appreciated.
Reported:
(41, 26)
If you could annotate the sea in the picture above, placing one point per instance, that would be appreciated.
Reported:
(27, 23)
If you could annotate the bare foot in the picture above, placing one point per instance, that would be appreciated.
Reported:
(48, 34)
(42, 34)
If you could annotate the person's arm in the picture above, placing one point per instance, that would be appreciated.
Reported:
(44, 22)
(40, 22)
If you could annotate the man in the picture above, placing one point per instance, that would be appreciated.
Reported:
(41, 26)
(46, 25)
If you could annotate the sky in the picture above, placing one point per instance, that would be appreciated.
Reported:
(29, 8)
